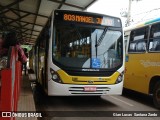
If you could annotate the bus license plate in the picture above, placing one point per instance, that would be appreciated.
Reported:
(90, 89)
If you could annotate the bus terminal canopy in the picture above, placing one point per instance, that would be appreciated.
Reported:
(28, 17)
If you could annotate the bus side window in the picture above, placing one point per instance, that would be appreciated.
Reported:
(132, 43)
(158, 48)
(141, 46)
(138, 40)
(154, 41)
(132, 47)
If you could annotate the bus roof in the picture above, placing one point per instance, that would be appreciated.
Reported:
(142, 24)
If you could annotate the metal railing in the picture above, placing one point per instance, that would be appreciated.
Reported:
(10, 85)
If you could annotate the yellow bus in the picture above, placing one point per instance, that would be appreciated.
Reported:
(80, 53)
(142, 72)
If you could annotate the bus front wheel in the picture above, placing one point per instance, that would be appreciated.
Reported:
(156, 95)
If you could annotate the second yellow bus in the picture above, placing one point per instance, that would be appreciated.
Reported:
(143, 59)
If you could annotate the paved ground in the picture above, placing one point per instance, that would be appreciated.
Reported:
(26, 100)
(95, 108)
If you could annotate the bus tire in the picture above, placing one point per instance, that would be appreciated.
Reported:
(156, 95)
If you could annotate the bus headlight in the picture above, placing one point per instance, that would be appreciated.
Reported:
(55, 76)
(120, 78)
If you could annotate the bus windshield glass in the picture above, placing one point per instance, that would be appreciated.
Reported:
(79, 46)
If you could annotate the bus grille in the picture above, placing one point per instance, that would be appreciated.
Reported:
(80, 91)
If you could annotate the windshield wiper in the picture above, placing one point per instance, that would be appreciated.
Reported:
(101, 37)
(98, 42)
(96, 45)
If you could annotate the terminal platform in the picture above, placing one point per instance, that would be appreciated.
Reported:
(26, 100)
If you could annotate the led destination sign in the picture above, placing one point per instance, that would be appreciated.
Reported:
(87, 18)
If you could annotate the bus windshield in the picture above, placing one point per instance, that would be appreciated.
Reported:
(78, 46)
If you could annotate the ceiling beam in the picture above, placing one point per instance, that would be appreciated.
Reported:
(29, 12)
(24, 22)
(5, 11)
(24, 31)
(24, 28)
(38, 7)
(2, 20)
(18, 19)
(71, 5)
(8, 9)
(63, 1)
(30, 39)
(10, 5)
(29, 34)
(14, 12)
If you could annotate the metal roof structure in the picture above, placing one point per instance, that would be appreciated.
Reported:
(28, 17)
